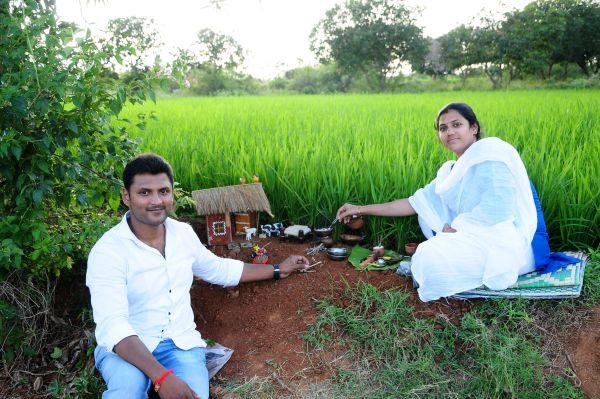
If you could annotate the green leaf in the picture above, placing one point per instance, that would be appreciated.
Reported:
(72, 126)
(43, 165)
(114, 202)
(37, 196)
(56, 353)
(17, 151)
(165, 85)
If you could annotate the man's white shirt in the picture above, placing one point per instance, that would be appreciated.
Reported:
(137, 291)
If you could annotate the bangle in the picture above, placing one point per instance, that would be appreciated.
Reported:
(158, 382)
(276, 272)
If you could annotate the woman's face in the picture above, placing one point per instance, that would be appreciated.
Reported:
(455, 133)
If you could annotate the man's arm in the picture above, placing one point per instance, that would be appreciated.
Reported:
(108, 290)
(132, 350)
(252, 272)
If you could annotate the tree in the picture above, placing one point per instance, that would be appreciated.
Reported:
(218, 51)
(456, 49)
(486, 50)
(138, 37)
(550, 32)
(370, 37)
(434, 63)
(582, 35)
(60, 150)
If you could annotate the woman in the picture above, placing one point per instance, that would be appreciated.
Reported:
(478, 214)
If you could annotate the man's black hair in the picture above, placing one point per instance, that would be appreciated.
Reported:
(146, 163)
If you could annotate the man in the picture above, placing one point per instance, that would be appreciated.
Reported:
(139, 275)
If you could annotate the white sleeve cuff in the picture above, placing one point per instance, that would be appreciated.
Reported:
(114, 334)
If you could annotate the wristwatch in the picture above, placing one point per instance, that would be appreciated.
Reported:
(276, 272)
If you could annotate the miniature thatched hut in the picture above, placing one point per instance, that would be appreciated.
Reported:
(229, 210)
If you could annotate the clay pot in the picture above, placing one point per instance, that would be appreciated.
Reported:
(378, 251)
(323, 232)
(326, 241)
(411, 248)
(351, 239)
(356, 223)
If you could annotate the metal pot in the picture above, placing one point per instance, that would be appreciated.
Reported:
(337, 253)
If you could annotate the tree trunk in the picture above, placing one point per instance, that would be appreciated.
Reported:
(565, 71)
(495, 81)
(381, 81)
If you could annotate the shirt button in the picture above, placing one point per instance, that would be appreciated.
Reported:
(170, 291)
(169, 313)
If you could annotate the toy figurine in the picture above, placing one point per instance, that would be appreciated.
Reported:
(259, 255)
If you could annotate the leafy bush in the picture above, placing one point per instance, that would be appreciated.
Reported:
(59, 151)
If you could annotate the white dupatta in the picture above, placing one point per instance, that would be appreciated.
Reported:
(507, 251)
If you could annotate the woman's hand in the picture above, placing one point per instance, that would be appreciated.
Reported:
(448, 229)
(346, 211)
(291, 264)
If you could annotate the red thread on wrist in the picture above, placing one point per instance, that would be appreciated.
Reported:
(158, 382)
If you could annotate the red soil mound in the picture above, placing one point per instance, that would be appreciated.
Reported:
(263, 322)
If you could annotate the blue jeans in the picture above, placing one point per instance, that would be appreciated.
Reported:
(124, 380)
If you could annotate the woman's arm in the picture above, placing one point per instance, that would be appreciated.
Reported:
(400, 207)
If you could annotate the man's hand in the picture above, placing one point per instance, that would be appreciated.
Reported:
(173, 387)
(291, 264)
(448, 229)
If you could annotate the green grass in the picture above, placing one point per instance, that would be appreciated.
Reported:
(313, 153)
(490, 353)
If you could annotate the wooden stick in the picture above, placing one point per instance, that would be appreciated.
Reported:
(313, 265)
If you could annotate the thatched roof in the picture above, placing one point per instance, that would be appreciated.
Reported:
(239, 198)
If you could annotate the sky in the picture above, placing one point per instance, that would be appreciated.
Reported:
(274, 33)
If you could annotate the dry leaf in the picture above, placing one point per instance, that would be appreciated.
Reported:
(37, 384)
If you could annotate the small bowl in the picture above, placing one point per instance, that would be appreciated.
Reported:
(337, 253)
(323, 232)
(351, 239)
(411, 248)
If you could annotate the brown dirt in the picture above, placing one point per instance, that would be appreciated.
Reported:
(584, 354)
(264, 321)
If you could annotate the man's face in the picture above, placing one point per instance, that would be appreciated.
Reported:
(150, 198)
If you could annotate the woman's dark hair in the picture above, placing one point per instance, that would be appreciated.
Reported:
(465, 111)
(146, 163)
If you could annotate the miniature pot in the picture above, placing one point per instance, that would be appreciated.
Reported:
(351, 239)
(411, 248)
(356, 223)
(323, 231)
(337, 253)
(326, 241)
(378, 251)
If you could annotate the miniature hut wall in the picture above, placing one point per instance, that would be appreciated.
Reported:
(243, 199)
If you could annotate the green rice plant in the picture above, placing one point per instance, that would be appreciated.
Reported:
(313, 153)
